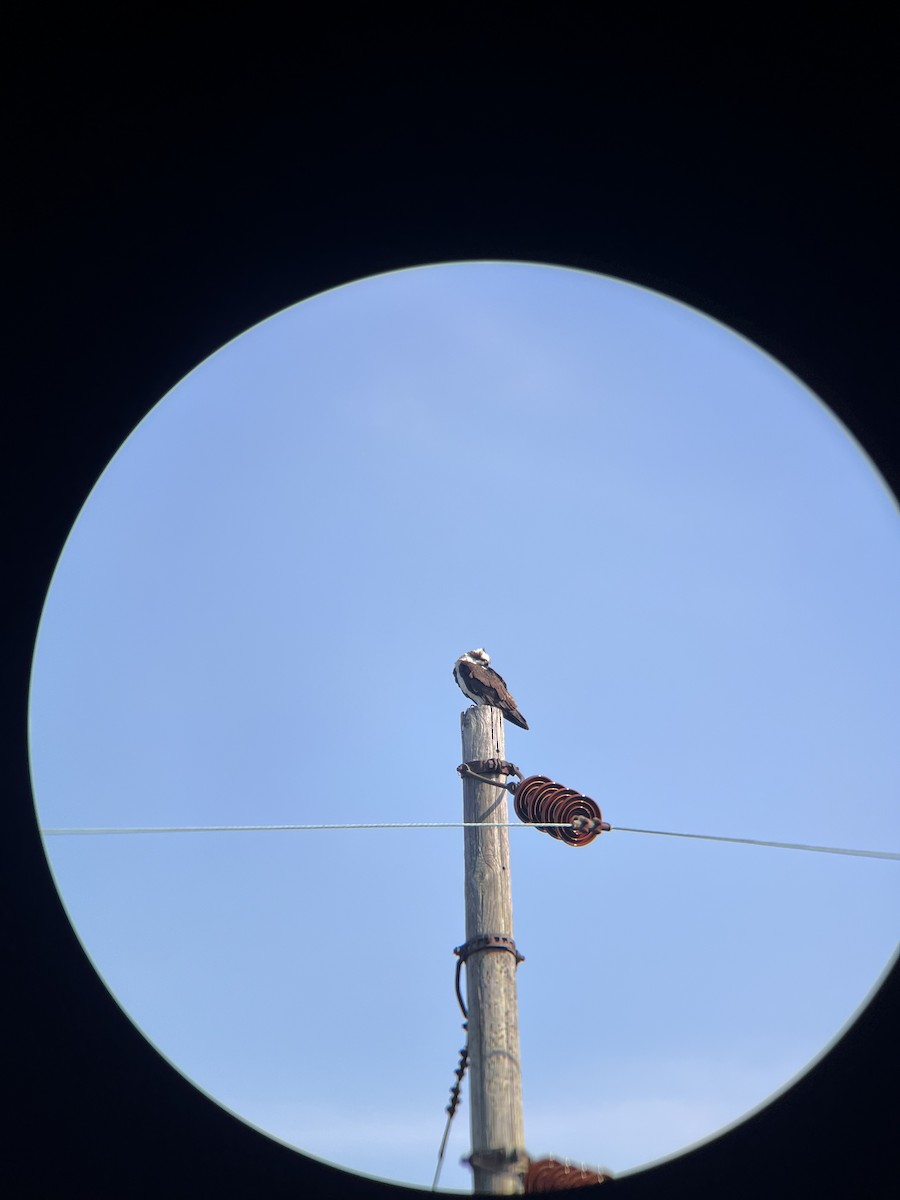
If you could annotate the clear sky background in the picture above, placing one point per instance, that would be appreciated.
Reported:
(688, 573)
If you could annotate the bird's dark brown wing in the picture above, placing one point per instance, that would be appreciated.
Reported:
(492, 687)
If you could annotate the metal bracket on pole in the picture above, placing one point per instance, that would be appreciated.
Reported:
(488, 941)
(498, 1161)
(479, 768)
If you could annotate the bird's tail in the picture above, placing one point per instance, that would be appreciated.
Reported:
(513, 714)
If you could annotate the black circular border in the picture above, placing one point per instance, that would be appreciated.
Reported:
(164, 203)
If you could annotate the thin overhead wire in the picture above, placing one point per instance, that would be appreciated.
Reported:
(706, 837)
(441, 1152)
(451, 1109)
(292, 828)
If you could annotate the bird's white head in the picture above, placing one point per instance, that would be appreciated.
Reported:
(478, 656)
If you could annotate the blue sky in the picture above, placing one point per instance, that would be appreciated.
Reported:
(688, 573)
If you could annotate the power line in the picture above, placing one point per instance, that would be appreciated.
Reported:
(304, 828)
(706, 837)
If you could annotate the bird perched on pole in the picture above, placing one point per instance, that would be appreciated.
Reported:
(480, 683)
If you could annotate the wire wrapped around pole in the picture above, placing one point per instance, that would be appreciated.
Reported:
(540, 801)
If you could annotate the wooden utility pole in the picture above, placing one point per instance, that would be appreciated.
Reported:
(498, 1130)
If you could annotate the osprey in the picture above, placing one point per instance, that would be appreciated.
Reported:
(480, 682)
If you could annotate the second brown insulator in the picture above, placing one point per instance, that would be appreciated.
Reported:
(551, 1175)
(540, 801)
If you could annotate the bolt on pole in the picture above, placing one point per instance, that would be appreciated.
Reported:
(497, 1124)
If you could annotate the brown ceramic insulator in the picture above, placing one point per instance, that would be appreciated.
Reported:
(550, 1175)
(540, 801)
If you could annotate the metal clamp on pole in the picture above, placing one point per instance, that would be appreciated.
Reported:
(488, 941)
(480, 768)
(498, 1162)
